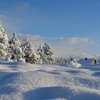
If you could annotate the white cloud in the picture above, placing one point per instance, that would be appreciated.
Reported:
(74, 41)
(21, 6)
(71, 46)
(35, 39)
(64, 51)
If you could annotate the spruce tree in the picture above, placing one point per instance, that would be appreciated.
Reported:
(3, 43)
(48, 52)
(30, 54)
(42, 56)
(15, 49)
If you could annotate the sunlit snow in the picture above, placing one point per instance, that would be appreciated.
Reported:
(21, 81)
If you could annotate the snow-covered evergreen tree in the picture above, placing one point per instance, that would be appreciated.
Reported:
(72, 58)
(14, 41)
(15, 49)
(49, 53)
(43, 57)
(30, 54)
(12, 50)
(3, 43)
(45, 53)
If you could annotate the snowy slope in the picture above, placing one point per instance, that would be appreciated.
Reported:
(19, 81)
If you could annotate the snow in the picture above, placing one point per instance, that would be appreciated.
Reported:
(21, 81)
(86, 62)
(73, 64)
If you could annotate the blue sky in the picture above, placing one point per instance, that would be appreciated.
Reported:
(74, 24)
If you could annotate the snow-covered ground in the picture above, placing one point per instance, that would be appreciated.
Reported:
(20, 81)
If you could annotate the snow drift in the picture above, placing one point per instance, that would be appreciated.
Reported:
(73, 64)
(20, 81)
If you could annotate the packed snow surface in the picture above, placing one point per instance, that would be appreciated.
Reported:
(20, 81)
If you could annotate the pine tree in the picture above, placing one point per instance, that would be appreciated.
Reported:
(15, 49)
(72, 58)
(49, 53)
(30, 54)
(3, 43)
(42, 57)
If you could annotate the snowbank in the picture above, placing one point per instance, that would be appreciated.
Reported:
(73, 64)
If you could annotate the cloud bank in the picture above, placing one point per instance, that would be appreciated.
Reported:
(70, 46)
(62, 47)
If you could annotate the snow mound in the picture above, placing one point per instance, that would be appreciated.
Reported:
(73, 64)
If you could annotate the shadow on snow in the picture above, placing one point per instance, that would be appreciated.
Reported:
(48, 93)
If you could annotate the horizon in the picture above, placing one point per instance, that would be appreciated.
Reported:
(71, 27)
